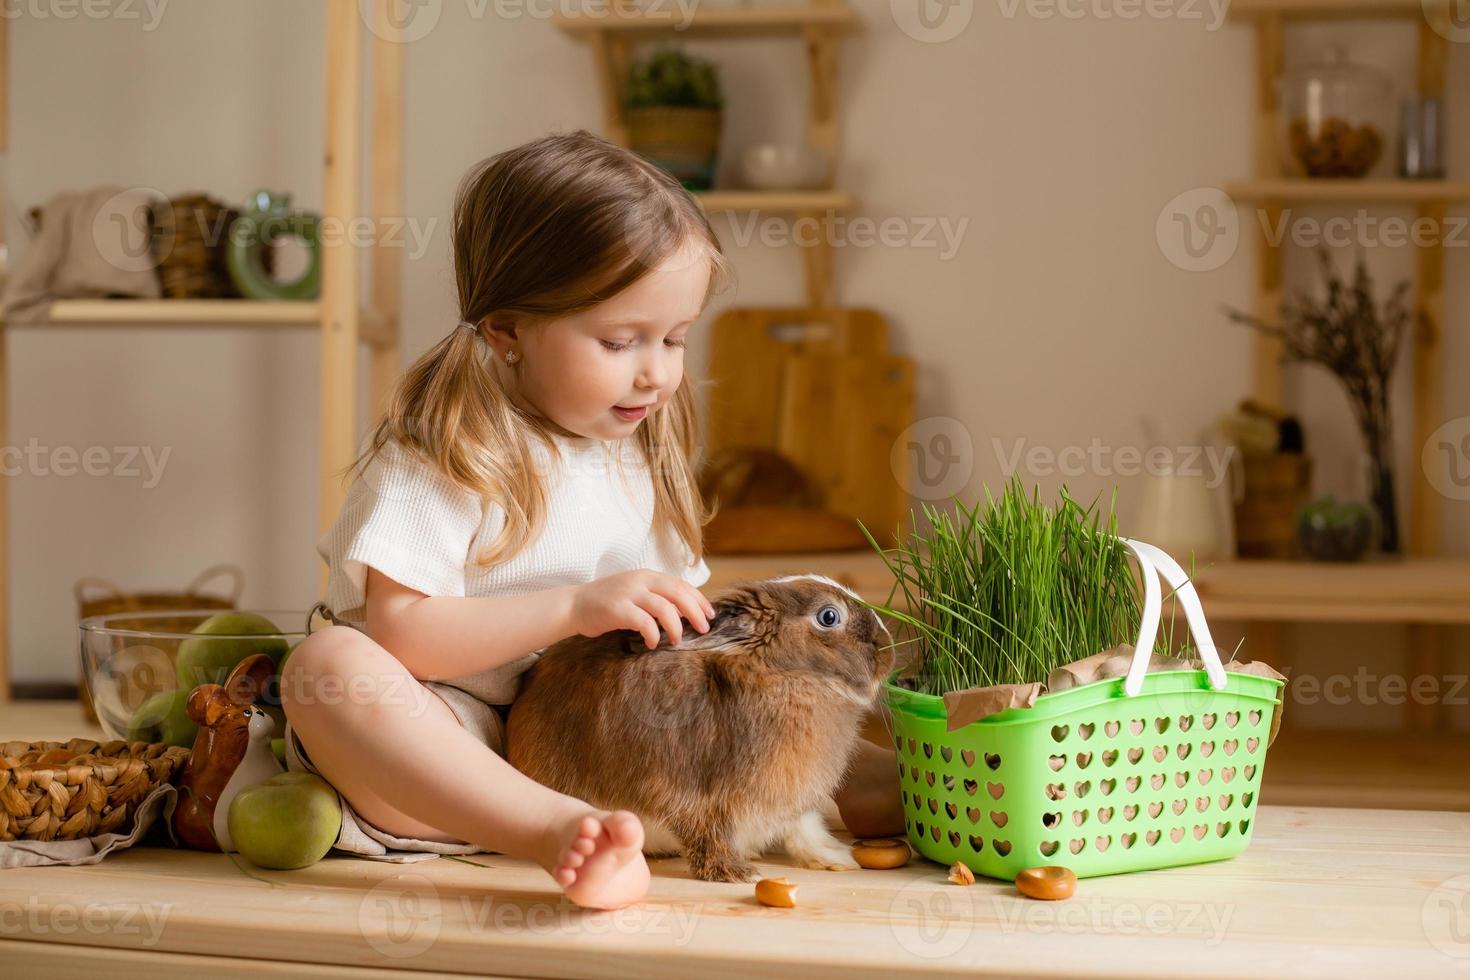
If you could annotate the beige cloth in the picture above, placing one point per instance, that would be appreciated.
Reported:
(92, 244)
(360, 838)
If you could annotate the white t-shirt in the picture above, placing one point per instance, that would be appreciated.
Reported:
(411, 523)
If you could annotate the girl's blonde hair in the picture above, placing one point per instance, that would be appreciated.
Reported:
(541, 231)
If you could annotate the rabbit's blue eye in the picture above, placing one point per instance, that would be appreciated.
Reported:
(828, 616)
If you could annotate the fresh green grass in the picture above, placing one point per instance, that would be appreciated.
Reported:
(1004, 592)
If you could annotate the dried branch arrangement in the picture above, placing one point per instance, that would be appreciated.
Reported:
(1346, 333)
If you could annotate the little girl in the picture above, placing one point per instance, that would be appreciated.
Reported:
(504, 505)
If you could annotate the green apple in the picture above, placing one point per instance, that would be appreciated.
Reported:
(290, 820)
(201, 660)
(164, 717)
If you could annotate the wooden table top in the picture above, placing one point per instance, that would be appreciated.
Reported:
(1319, 892)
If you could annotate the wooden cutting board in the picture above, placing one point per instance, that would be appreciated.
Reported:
(841, 415)
(818, 386)
(748, 351)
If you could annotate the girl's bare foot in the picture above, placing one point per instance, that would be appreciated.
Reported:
(597, 858)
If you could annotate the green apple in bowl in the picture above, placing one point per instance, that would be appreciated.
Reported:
(221, 642)
(164, 717)
(290, 820)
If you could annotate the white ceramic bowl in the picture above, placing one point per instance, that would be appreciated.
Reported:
(784, 166)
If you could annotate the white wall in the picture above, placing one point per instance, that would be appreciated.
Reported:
(1057, 139)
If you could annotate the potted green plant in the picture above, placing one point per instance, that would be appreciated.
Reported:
(1020, 741)
(673, 110)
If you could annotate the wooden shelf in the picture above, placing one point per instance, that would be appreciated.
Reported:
(788, 201)
(1422, 590)
(372, 328)
(727, 21)
(1329, 9)
(1390, 770)
(1427, 590)
(1343, 190)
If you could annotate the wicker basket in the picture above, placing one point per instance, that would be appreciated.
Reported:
(190, 235)
(112, 600)
(77, 789)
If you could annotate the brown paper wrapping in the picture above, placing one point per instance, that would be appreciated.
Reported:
(976, 703)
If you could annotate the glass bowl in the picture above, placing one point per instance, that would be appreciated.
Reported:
(1334, 117)
(141, 666)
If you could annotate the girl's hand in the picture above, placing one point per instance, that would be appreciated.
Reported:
(641, 600)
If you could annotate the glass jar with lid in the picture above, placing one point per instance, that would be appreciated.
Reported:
(1334, 117)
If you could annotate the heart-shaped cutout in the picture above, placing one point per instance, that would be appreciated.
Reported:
(1059, 732)
(996, 790)
(992, 760)
(967, 757)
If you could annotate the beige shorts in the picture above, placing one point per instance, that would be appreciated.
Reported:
(360, 838)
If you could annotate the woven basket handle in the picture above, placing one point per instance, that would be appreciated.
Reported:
(108, 589)
(1154, 561)
(223, 568)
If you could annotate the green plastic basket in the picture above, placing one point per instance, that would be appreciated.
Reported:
(1153, 770)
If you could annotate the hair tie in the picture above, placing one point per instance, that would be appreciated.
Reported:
(469, 326)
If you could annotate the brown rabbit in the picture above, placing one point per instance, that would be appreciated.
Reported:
(231, 751)
(724, 744)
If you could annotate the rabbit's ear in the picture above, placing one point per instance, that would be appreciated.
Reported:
(248, 680)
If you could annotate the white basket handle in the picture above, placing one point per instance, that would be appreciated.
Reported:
(1153, 561)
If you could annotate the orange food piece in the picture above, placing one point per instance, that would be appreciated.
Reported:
(1049, 883)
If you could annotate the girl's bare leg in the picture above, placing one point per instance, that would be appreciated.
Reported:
(398, 754)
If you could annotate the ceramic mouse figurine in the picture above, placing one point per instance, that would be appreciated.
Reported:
(231, 751)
